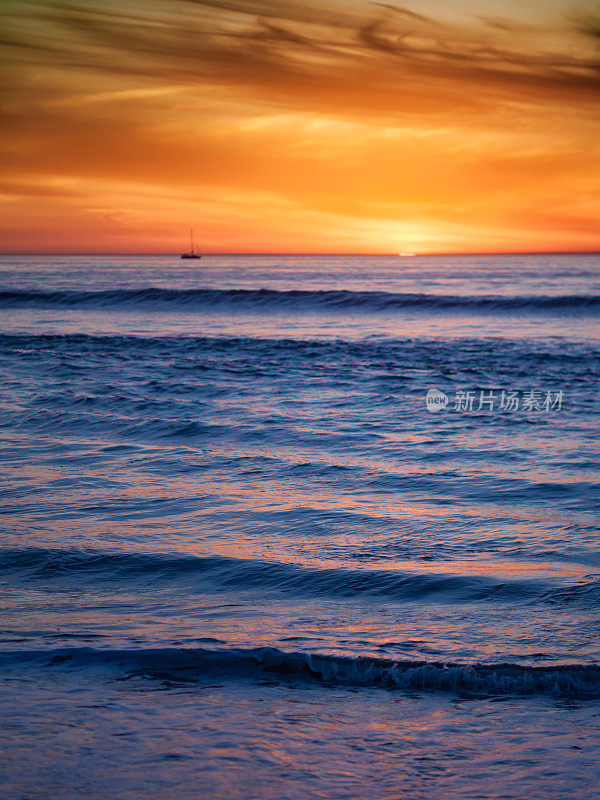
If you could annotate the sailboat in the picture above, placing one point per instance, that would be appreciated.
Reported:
(193, 252)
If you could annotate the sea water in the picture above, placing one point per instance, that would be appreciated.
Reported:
(241, 557)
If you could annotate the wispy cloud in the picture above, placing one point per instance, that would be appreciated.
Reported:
(279, 46)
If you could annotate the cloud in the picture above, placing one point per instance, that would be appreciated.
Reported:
(378, 55)
(508, 25)
(355, 110)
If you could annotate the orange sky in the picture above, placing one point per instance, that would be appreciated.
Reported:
(274, 126)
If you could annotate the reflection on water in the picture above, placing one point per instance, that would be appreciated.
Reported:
(237, 537)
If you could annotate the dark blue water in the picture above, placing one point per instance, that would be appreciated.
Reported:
(235, 539)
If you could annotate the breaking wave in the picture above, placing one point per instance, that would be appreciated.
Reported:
(577, 681)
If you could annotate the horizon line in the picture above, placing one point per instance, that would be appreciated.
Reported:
(400, 254)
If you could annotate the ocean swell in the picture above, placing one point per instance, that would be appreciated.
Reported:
(64, 568)
(298, 300)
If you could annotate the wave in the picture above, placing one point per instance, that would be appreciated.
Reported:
(222, 573)
(578, 681)
(299, 300)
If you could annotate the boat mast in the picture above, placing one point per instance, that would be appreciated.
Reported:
(192, 241)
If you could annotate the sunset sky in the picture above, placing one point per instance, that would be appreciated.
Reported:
(274, 126)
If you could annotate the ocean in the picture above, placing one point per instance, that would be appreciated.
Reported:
(283, 528)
